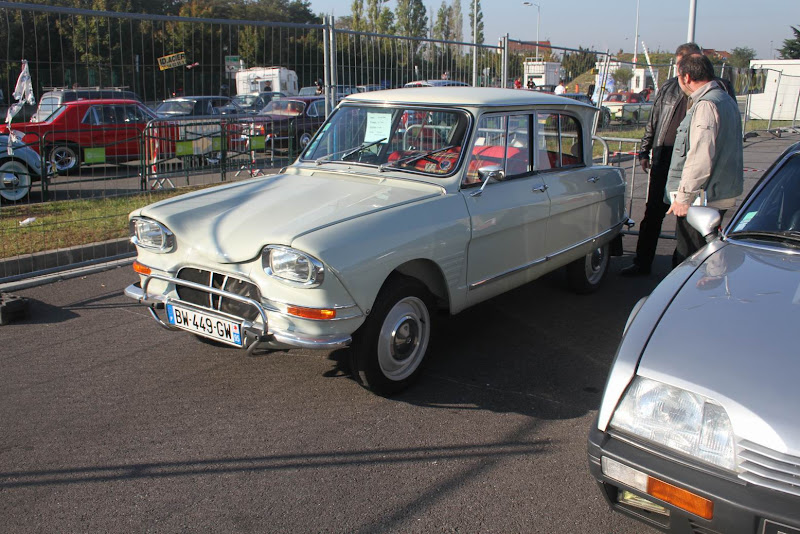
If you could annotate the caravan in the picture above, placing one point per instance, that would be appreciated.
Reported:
(266, 79)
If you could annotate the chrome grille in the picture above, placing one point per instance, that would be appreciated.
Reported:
(771, 469)
(216, 302)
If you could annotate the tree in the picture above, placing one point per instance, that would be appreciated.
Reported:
(357, 15)
(578, 62)
(622, 77)
(741, 56)
(442, 27)
(791, 47)
(411, 18)
(456, 21)
(472, 19)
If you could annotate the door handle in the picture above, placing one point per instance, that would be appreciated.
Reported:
(593, 179)
(540, 189)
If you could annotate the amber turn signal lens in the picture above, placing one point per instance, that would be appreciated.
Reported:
(141, 269)
(311, 313)
(681, 498)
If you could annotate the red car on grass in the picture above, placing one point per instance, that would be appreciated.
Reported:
(87, 132)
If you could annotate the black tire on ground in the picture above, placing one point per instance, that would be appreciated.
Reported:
(65, 158)
(389, 348)
(15, 181)
(586, 274)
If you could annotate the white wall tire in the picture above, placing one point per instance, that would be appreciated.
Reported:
(15, 181)
(587, 274)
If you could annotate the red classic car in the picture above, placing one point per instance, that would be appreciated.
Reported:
(88, 131)
(628, 106)
(303, 113)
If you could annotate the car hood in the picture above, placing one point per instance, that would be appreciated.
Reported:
(730, 334)
(231, 224)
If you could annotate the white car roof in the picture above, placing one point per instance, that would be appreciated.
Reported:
(462, 96)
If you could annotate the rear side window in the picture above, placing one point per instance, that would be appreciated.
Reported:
(559, 141)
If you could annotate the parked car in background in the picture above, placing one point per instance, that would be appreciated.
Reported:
(88, 131)
(56, 96)
(311, 90)
(296, 118)
(698, 426)
(368, 88)
(605, 113)
(380, 224)
(628, 107)
(436, 83)
(198, 106)
(255, 102)
(18, 170)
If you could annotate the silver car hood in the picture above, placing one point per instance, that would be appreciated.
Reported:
(231, 224)
(731, 334)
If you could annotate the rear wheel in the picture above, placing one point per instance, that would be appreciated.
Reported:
(303, 140)
(65, 158)
(15, 181)
(586, 274)
(390, 346)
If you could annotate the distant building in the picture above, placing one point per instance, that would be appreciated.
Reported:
(528, 47)
(712, 54)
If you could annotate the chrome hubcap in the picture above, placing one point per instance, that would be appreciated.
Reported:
(403, 338)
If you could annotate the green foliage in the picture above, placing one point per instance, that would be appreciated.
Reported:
(791, 47)
(411, 18)
(576, 63)
(480, 36)
(741, 56)
(622, 77)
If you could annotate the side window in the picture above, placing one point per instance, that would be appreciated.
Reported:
(93, 117)
(501, 140)
(314, 109)
(559, 141)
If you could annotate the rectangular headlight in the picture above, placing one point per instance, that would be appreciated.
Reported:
(292, 266)
(149, 234)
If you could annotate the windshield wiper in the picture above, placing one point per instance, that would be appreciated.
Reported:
(347, 152)
(416, 157)
(364, 146)
(789, 235)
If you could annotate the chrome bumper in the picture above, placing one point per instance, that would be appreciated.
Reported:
(256, 336)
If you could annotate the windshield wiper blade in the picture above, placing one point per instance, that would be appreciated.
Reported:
(363, 146)
(347, 152)
(415, 157)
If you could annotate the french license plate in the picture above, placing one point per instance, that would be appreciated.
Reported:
(771, 527)
(206, 325)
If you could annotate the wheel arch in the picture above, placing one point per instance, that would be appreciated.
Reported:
(430, 275)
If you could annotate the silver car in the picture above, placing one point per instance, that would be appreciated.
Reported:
(18, 170)
(698, 430)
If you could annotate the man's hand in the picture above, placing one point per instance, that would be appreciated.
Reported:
(645, 163)
(678, 209)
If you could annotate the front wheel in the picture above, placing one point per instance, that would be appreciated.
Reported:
(586, 274)
(303, 140)
(15, 181)
(389, 347)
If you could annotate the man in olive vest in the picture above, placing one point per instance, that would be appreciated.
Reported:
(707, 161)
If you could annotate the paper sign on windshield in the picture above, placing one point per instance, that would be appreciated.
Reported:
(379, 125)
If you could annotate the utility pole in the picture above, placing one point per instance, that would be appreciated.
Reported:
(475, 43)
(692, 15)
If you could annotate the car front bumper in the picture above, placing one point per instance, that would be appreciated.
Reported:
(257, 335)
(738, 507)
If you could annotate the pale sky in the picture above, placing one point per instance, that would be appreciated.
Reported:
(611, 24)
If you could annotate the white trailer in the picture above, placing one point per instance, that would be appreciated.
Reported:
(542, 72)
(261, 79)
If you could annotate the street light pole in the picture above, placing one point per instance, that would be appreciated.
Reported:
(692, 14)
(538, 19)
(636, 39)
(475, 43)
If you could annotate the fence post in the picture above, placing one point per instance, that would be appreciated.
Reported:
(331, 89)
(504, 77)
(327, 39)
(794, 117)
(774, 100)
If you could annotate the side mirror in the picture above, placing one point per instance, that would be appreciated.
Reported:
(704, 220)
(487, 174)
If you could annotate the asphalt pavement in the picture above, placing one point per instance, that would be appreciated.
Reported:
(112, 424)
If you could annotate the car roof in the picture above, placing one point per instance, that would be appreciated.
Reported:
(194, 98)
(462, 96)
(301, 98)
(94, 101)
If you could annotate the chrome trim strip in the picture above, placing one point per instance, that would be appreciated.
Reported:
(539, 261)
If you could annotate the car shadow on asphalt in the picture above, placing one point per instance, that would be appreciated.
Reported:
(539, 350)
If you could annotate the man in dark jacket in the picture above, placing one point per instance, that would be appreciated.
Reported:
(669, 109)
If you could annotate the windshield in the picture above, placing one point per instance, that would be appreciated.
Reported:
(176, 107)
(290, 108)
(245, 100)
(417, 140)
(773, 213)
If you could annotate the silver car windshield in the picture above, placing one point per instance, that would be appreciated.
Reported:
(420, 140)
(773, 214)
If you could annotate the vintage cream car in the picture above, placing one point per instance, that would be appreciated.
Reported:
(406, 202)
